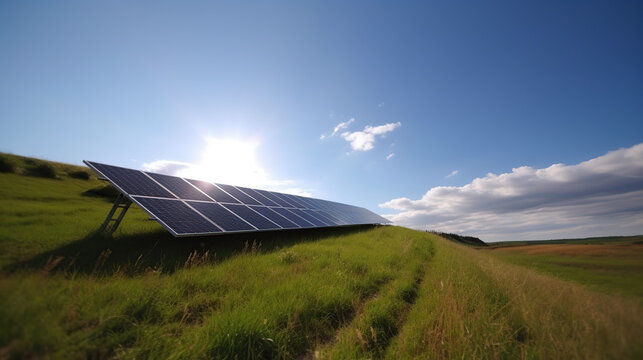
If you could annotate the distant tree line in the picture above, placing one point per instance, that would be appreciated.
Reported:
(469, 240)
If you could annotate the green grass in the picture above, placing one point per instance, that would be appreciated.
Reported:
(476, 306)
(620, 274)
(636, 239)
(364, 292)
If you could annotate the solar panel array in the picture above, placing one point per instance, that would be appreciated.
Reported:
(187, 207)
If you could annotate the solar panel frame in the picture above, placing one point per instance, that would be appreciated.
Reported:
(289, 211)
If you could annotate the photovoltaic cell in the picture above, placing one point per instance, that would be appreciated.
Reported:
(317, 214)
(204, 208)
(319, 204)
(133, 182)
(275, 217)
(284, 201)
(177, 216)
(252, 217)
(213, 191)
(179, 187)
(277, 200)
(307, 204)
(221, 216)
(292, 217)
(257, 196)
(324, 217)
(336, 219)
(291, 199)
(309, 217)
(238, 194)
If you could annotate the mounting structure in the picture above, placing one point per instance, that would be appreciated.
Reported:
(122, 203)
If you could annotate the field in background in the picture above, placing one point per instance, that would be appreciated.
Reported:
(602, 240)
(613, 268)
(365, 292)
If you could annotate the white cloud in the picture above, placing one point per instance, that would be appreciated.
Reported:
(601, 196)
(452, 173)
(390, 156)
(227, 161)
(342, 126)
(365, 140)
(339, 127)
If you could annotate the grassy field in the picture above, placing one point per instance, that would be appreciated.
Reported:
(602, 240)
(612, 268)
(365, 292)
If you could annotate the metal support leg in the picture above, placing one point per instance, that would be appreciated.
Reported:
(122, 203)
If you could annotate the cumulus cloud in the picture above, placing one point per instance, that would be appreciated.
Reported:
(365, 140)
(390, 156)
(600, 196)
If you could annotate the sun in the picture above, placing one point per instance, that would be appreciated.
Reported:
(229, 161)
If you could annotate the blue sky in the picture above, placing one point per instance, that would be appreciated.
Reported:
(462, 89)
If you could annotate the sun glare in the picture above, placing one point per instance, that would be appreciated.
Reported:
(230, 161)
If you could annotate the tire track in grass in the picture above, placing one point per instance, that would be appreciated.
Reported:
(382, 315)
(329, 281)
(473, 306)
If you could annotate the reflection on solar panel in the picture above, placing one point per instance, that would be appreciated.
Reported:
(188, 207)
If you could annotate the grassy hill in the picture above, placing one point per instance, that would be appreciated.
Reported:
(364, 292)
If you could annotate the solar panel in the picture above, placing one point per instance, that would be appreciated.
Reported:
(187, 207)
(175, 215)
(257, 196)
(275, 217)
(288, 214)
(131, 181)
(291, 199)
(221, 216)
(179, 187)
(213, 191)
(238, 194)
(253, 217)
(278, 201)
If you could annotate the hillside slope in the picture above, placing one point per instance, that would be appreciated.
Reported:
(386, 292)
